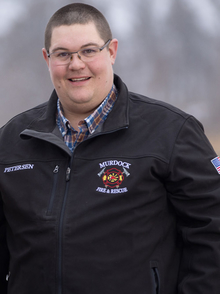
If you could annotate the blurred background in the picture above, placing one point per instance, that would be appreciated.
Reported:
(168, 50)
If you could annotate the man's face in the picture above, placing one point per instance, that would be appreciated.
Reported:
(81, 86)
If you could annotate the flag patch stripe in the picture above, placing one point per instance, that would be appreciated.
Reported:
(216, 163)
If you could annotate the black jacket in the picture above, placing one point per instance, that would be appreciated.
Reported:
(135, 209)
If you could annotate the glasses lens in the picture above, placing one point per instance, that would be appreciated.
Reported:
(60, 57)
(88, 53)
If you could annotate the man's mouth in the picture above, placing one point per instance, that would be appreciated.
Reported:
(79, 79)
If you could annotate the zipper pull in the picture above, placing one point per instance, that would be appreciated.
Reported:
(68, 174)
(7, 276)
(55, 171)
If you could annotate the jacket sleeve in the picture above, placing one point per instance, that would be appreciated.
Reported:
(4, 256)
(194, 191)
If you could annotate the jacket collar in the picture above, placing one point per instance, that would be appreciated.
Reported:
(118, 118)
(44, 127)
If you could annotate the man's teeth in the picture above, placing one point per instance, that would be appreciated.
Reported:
(80, 79)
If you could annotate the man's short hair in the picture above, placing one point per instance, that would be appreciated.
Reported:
(77, 13)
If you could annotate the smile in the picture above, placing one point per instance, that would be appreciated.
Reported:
(79, 79)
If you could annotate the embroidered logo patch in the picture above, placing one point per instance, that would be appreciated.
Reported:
(216, 163)
(113, 177)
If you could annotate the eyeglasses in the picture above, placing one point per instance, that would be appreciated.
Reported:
(86, 55)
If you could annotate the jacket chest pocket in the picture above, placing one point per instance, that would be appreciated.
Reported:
(155, 277)
(53, 190)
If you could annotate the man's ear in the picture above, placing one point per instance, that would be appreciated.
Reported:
(113, 48)
(46, 58)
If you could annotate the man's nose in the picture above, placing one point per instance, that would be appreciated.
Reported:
(76, 61)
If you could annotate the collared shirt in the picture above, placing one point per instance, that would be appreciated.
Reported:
(71, 137)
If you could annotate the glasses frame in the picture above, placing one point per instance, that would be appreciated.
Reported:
(77, 52)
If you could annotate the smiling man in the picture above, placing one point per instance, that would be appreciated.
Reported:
(84, 78)
(104, 191)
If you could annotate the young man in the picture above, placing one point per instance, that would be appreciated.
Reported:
(104, 191)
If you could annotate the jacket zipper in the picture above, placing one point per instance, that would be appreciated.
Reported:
(155, 278)
(68, 172)
(55, 177)
(60, 234)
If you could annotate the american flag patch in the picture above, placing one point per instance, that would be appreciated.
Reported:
(216, 163)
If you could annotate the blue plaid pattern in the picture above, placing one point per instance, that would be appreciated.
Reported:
(71, 137)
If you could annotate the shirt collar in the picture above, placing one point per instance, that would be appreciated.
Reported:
(101, 113)
(93, 120)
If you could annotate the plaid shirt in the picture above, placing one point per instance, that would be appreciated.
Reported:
(71, 137)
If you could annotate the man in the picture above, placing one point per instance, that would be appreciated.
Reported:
(104, 191)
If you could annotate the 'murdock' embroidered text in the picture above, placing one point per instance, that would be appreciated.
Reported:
(114, 162)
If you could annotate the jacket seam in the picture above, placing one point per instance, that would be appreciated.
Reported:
(166, 106)
(121, 157)
(174, 144)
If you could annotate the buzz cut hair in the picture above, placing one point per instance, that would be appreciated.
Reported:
(77, 13)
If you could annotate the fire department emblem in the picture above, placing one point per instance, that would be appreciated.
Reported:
(112, 178)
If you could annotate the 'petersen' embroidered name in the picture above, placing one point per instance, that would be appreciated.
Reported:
(18, 167)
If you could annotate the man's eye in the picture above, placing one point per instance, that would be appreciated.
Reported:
(62, 54)
(89, 51)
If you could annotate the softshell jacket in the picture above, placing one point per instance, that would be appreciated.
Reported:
(134, 210)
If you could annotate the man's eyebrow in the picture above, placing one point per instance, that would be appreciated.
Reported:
(83, 46)
(90, 44)
(59, 48)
